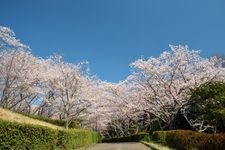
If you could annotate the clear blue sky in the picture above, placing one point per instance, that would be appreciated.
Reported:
(110, 34)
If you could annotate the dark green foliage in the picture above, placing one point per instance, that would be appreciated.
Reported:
(22, 137)
(155, 125)
(132, 138)
(159, 136)
(207, 103)
(186, 140)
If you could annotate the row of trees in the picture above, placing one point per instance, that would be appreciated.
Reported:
(160, 89)
(47, 87)
(156, 93)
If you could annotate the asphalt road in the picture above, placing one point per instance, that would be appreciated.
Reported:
(119, 146)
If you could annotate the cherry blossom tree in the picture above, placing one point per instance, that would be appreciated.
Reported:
(67, 88)
(20, 73)
(164, 82)
(8, 40)
(116, 109)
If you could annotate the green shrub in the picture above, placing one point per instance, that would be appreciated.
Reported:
(213, 142)
(72, 139)
(19, 136)
(207, 103)
(186, 140)
(181, 139)
(132, 138)
(159, 136)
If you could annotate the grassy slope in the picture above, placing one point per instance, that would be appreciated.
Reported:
(15, 117)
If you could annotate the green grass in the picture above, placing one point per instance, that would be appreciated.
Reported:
(8, 115)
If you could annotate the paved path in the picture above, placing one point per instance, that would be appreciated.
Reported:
(119, 146)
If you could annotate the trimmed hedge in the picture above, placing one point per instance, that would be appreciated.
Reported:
(25, 136)
(186, 140)
(132, 138)
(72, 139)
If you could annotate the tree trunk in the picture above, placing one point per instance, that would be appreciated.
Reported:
(172, 123)
(67, 120)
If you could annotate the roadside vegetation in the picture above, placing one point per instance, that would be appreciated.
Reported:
(10, 116)
(22, 132)
(176, 99)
